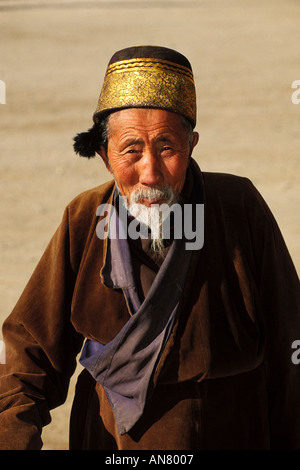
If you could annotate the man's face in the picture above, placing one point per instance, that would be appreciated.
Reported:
(147, 148)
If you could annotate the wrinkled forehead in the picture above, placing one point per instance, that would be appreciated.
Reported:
(142, 123)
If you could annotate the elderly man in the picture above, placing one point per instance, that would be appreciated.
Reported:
(185, 344)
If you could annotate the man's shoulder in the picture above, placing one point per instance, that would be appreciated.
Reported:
(228, 186)
(80, 216)
(216, 179)
(87, 202)
(232, 194)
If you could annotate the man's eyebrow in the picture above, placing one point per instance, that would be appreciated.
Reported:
(131, 141)
(163, 138)
(136, 140)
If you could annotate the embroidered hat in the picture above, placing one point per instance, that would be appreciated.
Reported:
(142, 76)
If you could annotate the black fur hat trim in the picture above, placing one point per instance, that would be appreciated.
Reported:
(87, 143)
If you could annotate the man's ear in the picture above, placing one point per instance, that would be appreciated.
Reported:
(103, 154)
(195, 140)
(194, 143)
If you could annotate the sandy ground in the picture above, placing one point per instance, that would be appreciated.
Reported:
(53, 56)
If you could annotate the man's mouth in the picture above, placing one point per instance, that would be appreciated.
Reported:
(152, 196)
(149, 202)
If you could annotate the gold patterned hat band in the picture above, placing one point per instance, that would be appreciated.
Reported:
(148, 76)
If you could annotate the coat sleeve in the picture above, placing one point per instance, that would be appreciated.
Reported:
(41, 347)
(279, 306)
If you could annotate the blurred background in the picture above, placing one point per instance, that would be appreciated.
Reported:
(53, 55)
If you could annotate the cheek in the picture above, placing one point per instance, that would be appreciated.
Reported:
(176, 170)
(124, 174)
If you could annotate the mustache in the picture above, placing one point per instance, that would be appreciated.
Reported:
(163, 193)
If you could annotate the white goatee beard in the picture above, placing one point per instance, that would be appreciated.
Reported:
(153, 216)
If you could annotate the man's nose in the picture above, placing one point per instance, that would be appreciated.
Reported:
(150, 169)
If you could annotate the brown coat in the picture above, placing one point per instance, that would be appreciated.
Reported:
(225, 380)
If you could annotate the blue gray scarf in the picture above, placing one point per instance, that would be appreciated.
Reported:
(125, 366)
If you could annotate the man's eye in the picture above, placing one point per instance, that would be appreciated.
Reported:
(166, 149)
